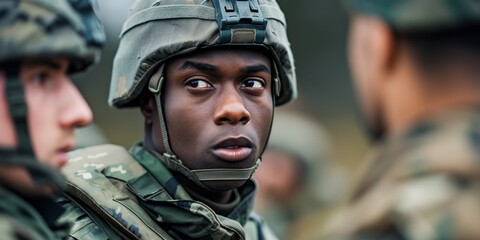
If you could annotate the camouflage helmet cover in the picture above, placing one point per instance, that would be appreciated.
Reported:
(159, 29)
(421, 14)
(43, 28)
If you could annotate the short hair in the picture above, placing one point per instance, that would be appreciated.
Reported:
(435, 48)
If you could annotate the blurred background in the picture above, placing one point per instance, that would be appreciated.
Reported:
(317, 31)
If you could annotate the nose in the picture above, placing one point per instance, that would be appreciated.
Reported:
(76, 112)
(231, 110)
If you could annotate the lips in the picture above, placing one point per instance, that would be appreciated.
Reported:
(233, 149)
(61, 155)
(62, 158)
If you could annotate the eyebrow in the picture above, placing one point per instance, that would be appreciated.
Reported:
(199, 66)
(211, 68)
(256, 68)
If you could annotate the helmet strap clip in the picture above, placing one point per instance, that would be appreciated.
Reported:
(240, 21)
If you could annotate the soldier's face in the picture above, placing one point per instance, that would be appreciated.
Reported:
(218, 106)
(55, 108)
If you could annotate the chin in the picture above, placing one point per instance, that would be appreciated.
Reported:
(222, 186)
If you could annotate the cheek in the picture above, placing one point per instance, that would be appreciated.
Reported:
(42, 123)
(261, 118)
(185, 121)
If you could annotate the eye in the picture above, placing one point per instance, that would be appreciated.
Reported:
(40, 79)
(47, 80)
(254, 84)
(198, 84)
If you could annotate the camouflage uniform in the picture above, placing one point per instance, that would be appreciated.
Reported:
(424, 184)
(144, 184)
(36, 29)
(158, 207)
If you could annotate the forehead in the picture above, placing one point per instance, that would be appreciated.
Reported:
(231, 56)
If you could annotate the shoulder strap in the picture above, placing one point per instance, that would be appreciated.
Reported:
(96, 176)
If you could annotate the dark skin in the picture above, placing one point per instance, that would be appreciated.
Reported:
(218, 106)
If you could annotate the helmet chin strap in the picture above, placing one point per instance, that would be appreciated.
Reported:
(171, 161)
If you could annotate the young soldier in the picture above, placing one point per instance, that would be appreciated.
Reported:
(41, 42)
(206, 76)
(416, 69)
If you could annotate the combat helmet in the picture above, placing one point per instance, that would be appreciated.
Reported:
(38, 29)
(419, 15)
(158, 30)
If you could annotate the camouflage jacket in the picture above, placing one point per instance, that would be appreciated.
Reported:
(19, 219)
(113, 194)
(424, 185)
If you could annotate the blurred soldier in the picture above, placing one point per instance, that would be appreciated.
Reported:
(416, 66)
(41, 43)
(206, 76)
(297, 174)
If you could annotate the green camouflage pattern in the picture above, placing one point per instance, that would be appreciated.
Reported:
(19, 220)
(424, 185)
(97, 180)
(138, 191)
(43, 28)
(420, 14)
(154, 32)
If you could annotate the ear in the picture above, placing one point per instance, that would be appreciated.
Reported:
(147, 107)
(383, 44)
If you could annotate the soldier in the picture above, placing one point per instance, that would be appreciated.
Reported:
(206, 76)
(416, 68)
(41, 43)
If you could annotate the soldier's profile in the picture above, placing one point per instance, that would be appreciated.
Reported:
(41, 44)
(415, 66)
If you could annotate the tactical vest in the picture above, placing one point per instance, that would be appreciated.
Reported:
(104, 182)
(97, 177)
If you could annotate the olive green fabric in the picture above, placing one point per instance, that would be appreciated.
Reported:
(420, 14)
(424, 185)
(20, 220)
(219, 208)
(158, 30)
(138, 191)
